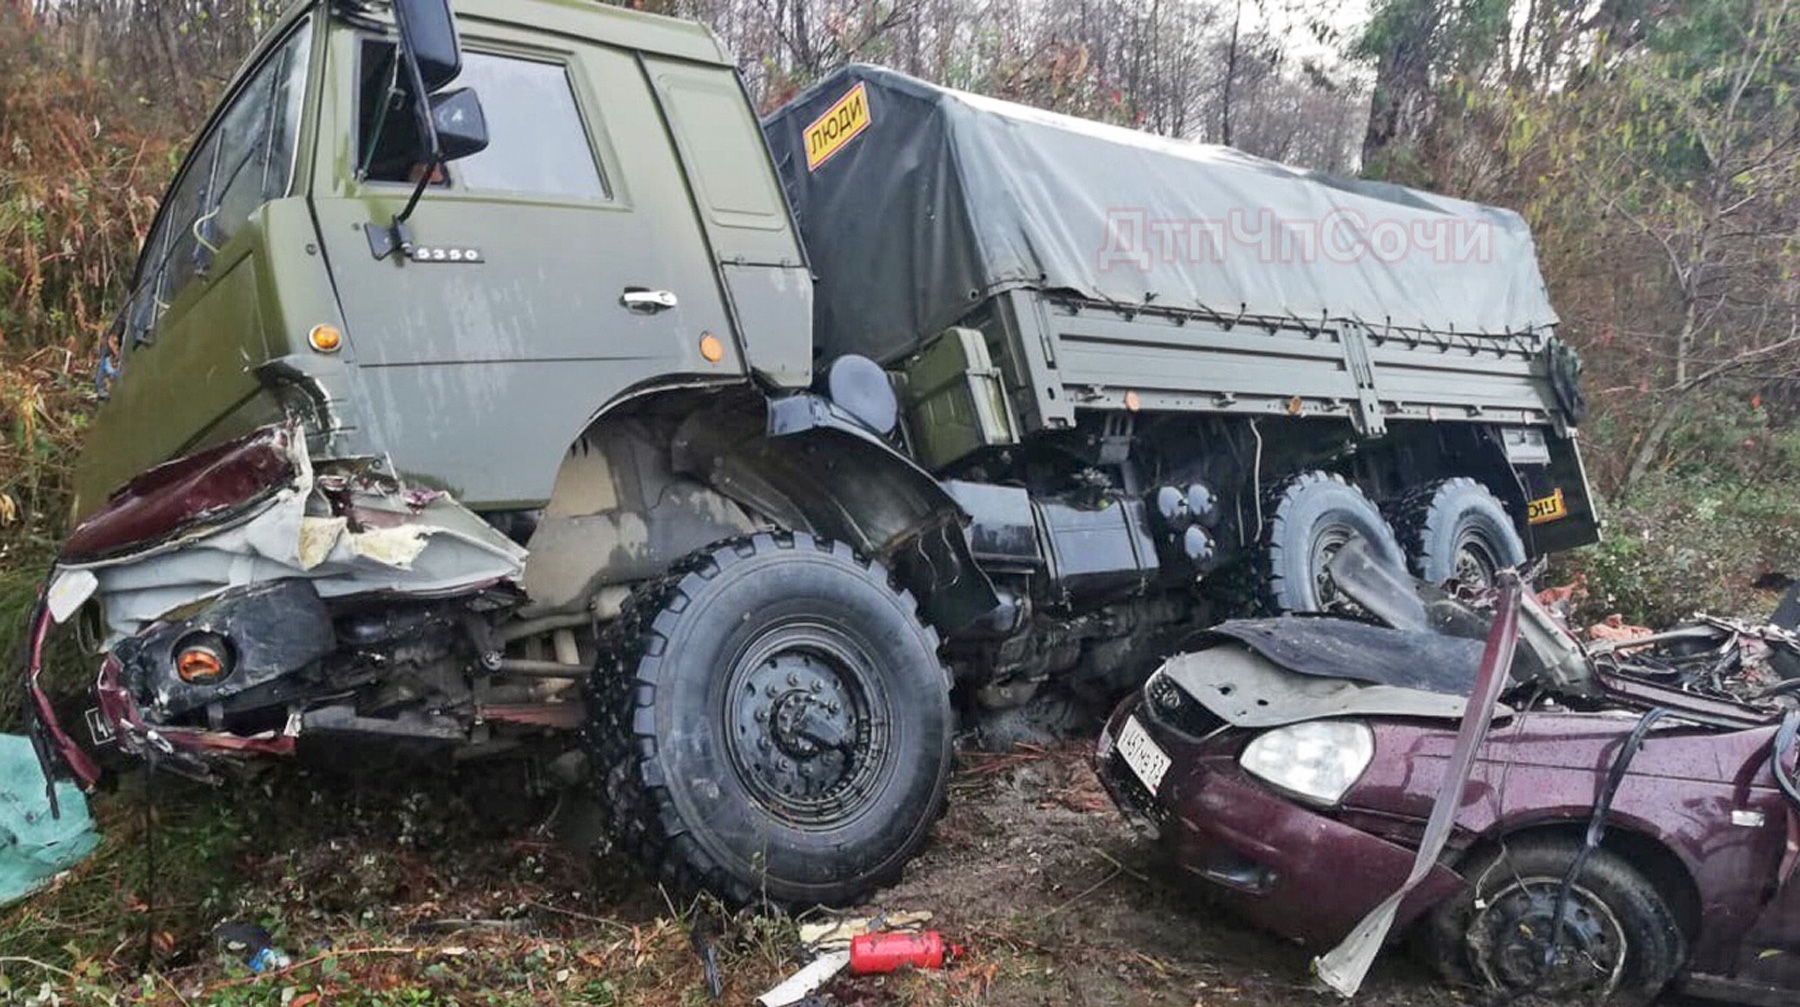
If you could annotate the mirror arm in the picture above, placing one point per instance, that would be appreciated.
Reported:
(395, 235)
(381, 116)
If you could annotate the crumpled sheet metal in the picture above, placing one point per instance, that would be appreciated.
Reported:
(1247, 690)
(420, 544)
(36, 845)
(1357, 651)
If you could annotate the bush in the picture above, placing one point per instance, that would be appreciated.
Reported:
(1686, 544)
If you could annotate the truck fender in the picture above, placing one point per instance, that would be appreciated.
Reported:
(806, 464)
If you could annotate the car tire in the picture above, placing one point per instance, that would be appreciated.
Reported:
(771, 723)
(1457, 529)
(1624, 941)
(1311, 516)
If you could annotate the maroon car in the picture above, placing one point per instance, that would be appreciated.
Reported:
(1292, 765)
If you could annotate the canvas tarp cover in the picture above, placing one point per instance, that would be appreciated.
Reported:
(939, 200)
(36, 845)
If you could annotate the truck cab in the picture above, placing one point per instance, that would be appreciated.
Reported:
(621, 229)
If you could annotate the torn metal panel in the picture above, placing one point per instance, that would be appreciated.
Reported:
(345, 532)
(1344, 967)
(208, 488)
(1246, 689)
(1359, 652)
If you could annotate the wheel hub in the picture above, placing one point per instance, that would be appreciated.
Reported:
(1476, 564)
(1326, 546)
(1515, 940)
(802, 738)
(805, 726)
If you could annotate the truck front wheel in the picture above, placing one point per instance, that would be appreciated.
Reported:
(771, 721)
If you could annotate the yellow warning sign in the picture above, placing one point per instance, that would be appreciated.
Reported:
(838, 126)
(1548, 508)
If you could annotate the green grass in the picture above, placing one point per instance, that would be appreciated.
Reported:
(369, 890)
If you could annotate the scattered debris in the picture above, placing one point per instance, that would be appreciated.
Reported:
(251, 945)
(873, 954)
(797, 986)
(705, 934)
(836, 935)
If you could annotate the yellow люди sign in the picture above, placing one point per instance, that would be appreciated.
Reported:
(840, 124)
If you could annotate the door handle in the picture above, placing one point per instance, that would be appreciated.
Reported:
(648, 302)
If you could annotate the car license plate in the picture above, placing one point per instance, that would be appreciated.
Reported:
(98, 728)
(1144, 757)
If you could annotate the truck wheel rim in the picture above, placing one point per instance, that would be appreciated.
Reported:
(1477, 561)
(1329, 540)
(1510, 936)
(806, 724)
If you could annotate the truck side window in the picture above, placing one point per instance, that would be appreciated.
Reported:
(257, 139)
(244, 161)
(537, 144)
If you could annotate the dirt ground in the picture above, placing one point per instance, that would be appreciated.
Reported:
(1034, 865)
(401, 889)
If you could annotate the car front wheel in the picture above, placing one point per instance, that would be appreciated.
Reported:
(1610, 935)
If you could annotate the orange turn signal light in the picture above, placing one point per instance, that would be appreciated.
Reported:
(325, 339)
(711, 348)
(202, 659)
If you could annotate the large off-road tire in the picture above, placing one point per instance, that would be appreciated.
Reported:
(771, 722)
(1620, 939)
(1457, 529)
(1312, 516)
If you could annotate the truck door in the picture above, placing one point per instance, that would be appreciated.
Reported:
(551, 272)
(732, 181)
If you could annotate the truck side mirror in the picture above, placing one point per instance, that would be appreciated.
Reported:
(461, 128)
(430, 57)
(428, 32)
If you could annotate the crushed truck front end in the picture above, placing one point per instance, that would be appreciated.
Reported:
(456, 332)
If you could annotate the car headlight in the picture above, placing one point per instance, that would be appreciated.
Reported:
(1317, 761)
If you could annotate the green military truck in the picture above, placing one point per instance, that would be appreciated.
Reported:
(495, 381)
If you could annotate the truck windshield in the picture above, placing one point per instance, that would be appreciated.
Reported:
(245, 160)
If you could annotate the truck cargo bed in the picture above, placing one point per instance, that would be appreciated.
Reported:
(1109, 268)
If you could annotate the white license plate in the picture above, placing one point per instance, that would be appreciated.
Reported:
(1144, 757)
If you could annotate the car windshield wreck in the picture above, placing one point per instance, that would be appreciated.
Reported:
(1547, 819)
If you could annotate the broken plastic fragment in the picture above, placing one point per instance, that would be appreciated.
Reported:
(810, 978)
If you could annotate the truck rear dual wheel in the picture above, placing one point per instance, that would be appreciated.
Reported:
(1456, 529)
(1310, 517)
(771, 722)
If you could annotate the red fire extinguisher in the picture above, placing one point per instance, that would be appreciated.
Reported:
(872, 953)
